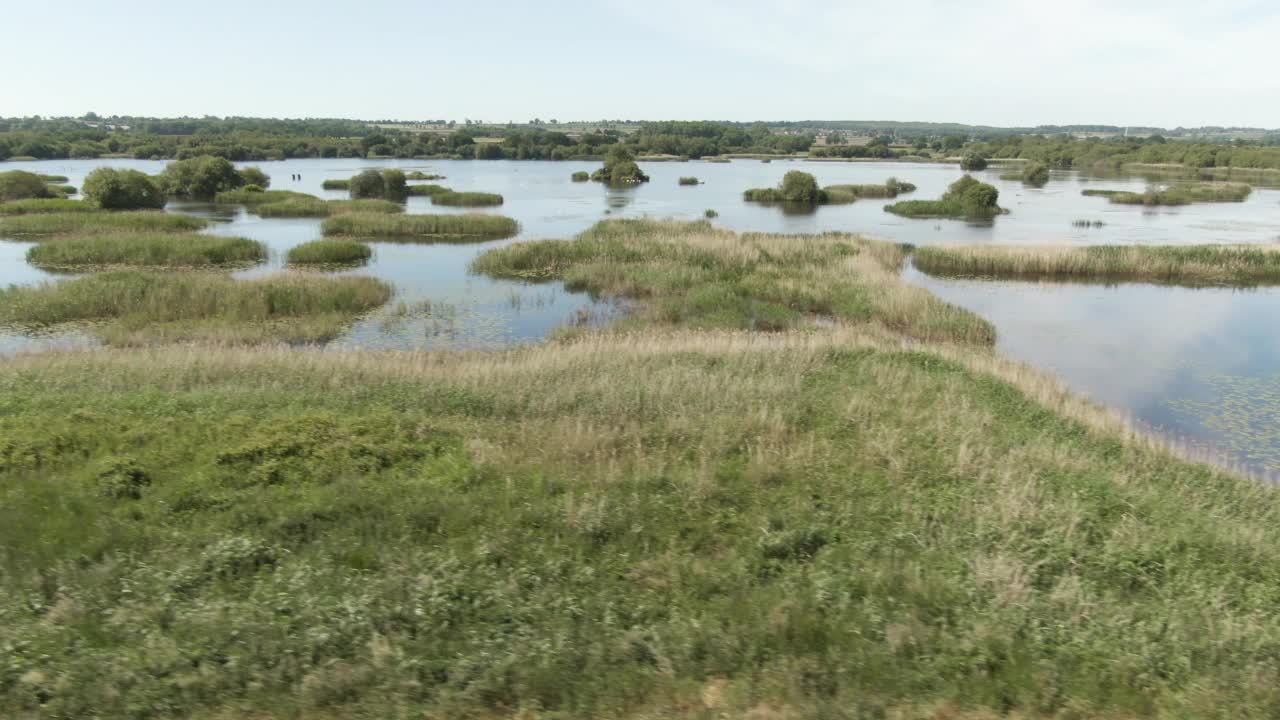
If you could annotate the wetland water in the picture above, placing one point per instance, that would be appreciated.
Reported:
(1203, 365)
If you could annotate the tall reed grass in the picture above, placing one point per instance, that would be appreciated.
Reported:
(428, 227)
(80, 222)
(167, 250)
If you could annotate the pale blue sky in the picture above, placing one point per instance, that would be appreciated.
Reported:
(999, 62)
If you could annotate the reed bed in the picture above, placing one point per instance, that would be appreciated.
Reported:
(336, 184)
(259, 197)
(35, 206)
(419, 175)
(330, 251)
(99, 222)
(580, 176)
(1194, 265)
(139, 308)
(154, 250)
(688, 180)
(425, 190)
(466, 199)
(317, 208)
(462, 228)
(694, 275)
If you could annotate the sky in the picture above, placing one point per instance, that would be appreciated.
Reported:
(992, 62)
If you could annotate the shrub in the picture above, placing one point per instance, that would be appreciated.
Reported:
(710, 214)
(122, 478)
(368, 184)
(796, 187)
(972, 162)
(393, 184)
(581, 176)
(620, 168)
(201, 177)
(255, 176)
(22, 185)
(112, 189)
(1035, 174)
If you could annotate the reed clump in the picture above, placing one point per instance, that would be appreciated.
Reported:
(1193, 265)
(419, 175)
(141, 308)
(891, 188)
(466, 199)
(81, 222)
(330, 251)
(317, 208)
(689, 180)
(252, 197)
(425, 190)
(336, 184)
(458, 228)
(580, 176)
(153, 250)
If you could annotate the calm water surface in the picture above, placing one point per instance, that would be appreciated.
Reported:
(1203, 365)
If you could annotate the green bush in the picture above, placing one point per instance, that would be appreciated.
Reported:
(368, 184)
(201, 178)
(973, 162)
(966, 198)
(620, 168)
(22, 185)
(112, 189)
(796, 187)
(581, 176)
(255, 176)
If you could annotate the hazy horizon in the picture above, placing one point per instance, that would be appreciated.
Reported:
(994, 62)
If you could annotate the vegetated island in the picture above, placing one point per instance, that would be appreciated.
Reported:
(799, 187)
(1177, 194)
(966, 198)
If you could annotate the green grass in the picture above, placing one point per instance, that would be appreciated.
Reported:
(466, 199)
(693, 275)
(45, 205)
(159, 250)
(104, 221)
(343, 184)
(52, 178)
(1191, 265)
(330, 251)
(315, 207)
(141, 308)
(684, 525)
(259, 197)
(428, 227)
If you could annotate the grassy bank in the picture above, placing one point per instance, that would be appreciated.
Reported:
(694, 275)
(45, 205)
(61, 223)
(891, 188)
(427, 227)
(685, 524)
(140, 308)
(1195, 265)
(466, 199)
(157, 250)
(329, 251)
(315, 207)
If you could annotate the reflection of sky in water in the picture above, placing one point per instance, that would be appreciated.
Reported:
(1197, 363)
